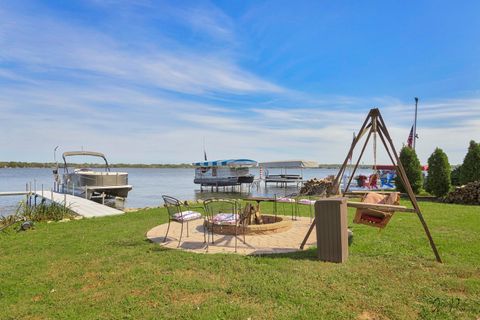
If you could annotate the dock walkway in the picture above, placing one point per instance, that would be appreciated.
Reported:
(80, 206)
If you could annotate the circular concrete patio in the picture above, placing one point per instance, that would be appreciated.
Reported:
(281, 242)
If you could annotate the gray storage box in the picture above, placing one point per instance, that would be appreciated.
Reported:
(331, 226)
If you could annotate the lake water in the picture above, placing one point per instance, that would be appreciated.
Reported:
(148, 185)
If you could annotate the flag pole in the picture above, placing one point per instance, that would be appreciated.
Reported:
(415, 124)
(204, 150)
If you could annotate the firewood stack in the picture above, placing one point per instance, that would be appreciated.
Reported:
(467, 194)
(251, 215)
(316, 186)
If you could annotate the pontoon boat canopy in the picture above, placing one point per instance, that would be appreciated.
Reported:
(83, 153)
(290, 164)
(227, 163)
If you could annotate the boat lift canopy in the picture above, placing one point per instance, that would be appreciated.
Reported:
(290, 164)
(227, 163)
(283, 178)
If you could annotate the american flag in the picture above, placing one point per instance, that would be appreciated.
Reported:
(410, 138)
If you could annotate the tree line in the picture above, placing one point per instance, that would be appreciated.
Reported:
(440, 177)
(20, 164)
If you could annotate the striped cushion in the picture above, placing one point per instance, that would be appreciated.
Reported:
(225, 218)
(186, 215)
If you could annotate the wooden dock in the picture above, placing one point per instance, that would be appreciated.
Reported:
(80, 206)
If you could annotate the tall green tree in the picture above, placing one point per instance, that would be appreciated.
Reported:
(470, 170)
(455, 176)
(438, 182)
(410, 162)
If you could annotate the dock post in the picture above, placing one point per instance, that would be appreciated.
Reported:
(65, 200)
(86, 192)
(42, 190)
(26, 197)
(30, 193)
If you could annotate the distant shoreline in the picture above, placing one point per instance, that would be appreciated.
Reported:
(21, 164)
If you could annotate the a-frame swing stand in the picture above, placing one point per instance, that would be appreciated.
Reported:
(374, 124)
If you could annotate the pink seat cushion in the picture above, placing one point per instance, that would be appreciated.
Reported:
(225, 218)
(186, 215)
(286, 200)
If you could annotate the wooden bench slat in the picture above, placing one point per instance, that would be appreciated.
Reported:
(390, 207)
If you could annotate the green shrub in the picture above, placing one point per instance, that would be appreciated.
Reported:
(410, 162)
(455, 176)
(41, 212)
(438, 182)
(46, 212)
(471, 164)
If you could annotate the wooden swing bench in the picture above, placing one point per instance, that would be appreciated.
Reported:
(377, 207)
(362, 205)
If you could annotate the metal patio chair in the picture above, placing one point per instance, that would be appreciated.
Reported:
(224, 214)
(288, 199)
(181, 213)
(307, 201)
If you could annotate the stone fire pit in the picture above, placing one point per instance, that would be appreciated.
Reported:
(270, 224)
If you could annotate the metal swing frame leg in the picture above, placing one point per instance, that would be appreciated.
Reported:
(406, 183)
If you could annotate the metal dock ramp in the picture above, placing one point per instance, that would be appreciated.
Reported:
(80, 206)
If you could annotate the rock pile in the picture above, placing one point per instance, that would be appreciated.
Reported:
(316, 186)
(467, 194)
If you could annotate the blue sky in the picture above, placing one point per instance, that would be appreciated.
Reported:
(148, 81)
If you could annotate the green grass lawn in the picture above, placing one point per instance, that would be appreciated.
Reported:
(104, 268)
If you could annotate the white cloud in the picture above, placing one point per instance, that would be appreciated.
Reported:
(47, 46)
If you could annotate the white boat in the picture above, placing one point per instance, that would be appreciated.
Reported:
(223, 173)
(89, 183)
